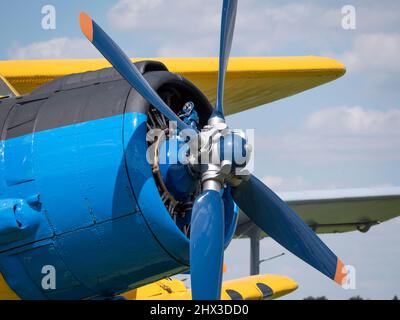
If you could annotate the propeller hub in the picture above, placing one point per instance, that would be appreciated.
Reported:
(223, 155)
(233, 149)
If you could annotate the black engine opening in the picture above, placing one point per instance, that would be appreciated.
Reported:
(176, 94)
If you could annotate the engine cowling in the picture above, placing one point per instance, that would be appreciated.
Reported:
(77, 145)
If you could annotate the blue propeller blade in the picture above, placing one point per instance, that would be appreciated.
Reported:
(281, 223)
(229, 9)
(207, 246)
(113, 53)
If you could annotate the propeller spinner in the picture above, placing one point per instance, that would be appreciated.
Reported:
(255, 199)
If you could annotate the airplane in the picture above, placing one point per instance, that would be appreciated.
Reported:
(79, 196)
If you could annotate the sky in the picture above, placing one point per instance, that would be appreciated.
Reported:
(345, 134)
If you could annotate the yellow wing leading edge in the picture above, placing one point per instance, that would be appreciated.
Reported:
(250, 82)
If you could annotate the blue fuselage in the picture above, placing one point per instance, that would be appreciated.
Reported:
(78, 194)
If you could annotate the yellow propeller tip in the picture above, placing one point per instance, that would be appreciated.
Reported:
(86, 24)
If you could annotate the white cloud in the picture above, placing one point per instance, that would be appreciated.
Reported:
(354, 121)
(268, 28)
(57, 48)
(192, 27)
(202, 46)
(128, 14)
(285, 184)
(180, 28)
(338, 136)
(374, 53)
(272, 181)
(176, 15)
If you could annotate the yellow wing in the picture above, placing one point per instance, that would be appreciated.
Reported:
(260, 287)
(251, 82)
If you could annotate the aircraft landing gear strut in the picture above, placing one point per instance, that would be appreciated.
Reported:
(255, 252)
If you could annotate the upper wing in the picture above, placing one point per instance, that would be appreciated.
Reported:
(250, 82)
(338, 210)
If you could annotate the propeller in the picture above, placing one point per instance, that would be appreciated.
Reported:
(229, 9)
(120, 61)
(207, 246)
(280, 222)
(255, 199)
